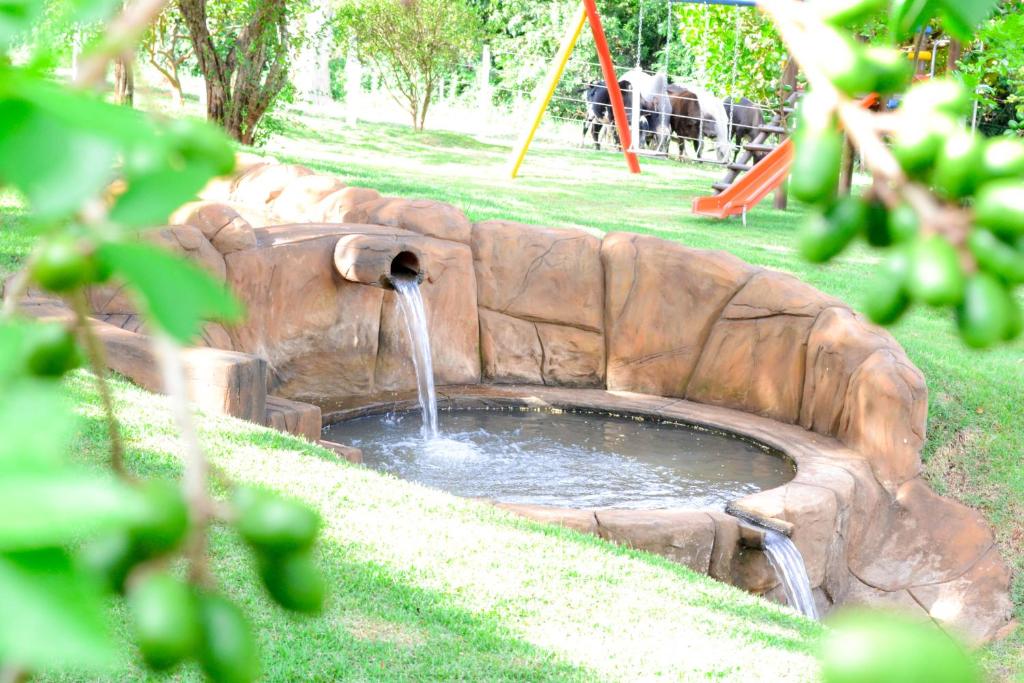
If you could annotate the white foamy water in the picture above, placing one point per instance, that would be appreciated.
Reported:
(411, 303)
(788, 564)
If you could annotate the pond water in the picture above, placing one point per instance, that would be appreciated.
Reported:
(566, 459)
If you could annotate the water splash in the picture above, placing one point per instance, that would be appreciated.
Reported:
(411, 303)
(788, 564)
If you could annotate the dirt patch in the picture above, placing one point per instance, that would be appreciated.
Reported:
(945, 470)
(380, 630)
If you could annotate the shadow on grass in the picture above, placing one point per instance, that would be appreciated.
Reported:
(379, 625)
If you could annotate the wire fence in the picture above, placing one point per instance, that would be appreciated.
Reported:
(570, 120)
(499, 109)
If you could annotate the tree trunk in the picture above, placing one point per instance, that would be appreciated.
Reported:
(846, 171)
(426, 104)
(177, 96)
(788, 78)
(956, 49)
(242, 82)
(124, 82)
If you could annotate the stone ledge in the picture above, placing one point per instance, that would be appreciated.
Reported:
(293, 417)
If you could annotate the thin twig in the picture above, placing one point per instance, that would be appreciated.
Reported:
(14, 290)
(98, 361)
(197, 469)
(122, 35)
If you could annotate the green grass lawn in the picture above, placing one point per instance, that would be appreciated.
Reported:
(428, 586)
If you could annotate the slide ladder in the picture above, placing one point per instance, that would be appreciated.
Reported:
(736, 194)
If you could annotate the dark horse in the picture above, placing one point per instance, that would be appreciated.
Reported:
(687, 118)
(691, 123)
(745, 118)
(599, 112)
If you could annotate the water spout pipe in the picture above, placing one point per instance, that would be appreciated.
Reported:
(377, 260)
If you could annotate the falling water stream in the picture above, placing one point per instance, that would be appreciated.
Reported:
(789, 565)
(411, 303)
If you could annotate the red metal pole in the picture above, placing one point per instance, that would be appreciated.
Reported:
(612, 82)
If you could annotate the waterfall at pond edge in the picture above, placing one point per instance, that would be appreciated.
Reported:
(788, 563)
(411, 303)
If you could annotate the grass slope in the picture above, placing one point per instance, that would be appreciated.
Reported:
(431, 587)
(976, 403)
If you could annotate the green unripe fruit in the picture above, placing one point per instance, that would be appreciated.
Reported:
(824, 236)
(52, 351)
(166, 521)
(109, 558)
(227, 649)
(937, 96)
(165, 623)
(883, 647)
(999, 206)
(891, 69)
(996, 256)
(886, 297)
(844, 62)
(294, 581)
(918, 142)
(903, 224)
(984, 315)
(958, 164)
(815, 170)
(1003, 159)
(842, 13)
(1015, 323)
(876, 226)
(61, 265)
(935, 276)
(275, 524)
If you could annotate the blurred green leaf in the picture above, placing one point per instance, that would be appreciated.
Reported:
(36, 425)
(908, 16)
(12, 351)
(56, 167)
(86, 112)
(177, 295)
(41, 510)
(53, 614)
(16, 18)
(962, 17)
(151, 198)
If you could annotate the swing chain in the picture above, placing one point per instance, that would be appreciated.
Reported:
(639, 34)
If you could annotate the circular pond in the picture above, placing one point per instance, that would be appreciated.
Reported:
(567, 459)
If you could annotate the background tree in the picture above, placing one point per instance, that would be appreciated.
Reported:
(167, 47)
(993, 65)
(242, 50)
(413, 44)
(730, 50)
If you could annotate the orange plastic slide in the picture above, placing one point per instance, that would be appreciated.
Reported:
(766, 175)
(745, 193)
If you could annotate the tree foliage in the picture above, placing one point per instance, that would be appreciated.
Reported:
(166, 46)
(242, 49)
(413, 44)
(731, 51)
(994, 68)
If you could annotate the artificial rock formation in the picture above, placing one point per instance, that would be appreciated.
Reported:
(687, 334)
